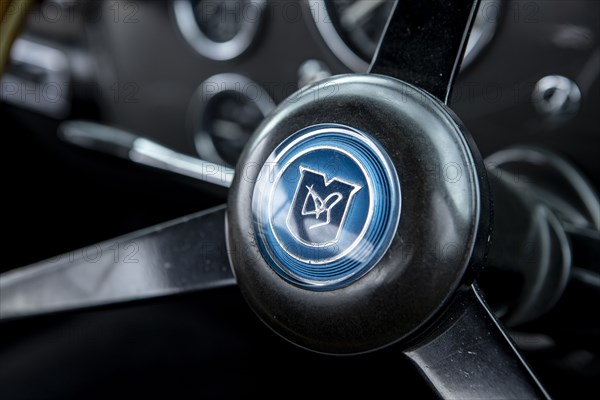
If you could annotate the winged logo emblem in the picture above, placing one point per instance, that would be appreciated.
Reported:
(320, 205)
(319, 208)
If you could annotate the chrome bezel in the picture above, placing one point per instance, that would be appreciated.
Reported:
(202, 140)
(218, 51)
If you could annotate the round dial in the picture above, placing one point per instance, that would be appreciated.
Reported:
(220, 21)
(219, 29)
(230, 119)
(224, 112)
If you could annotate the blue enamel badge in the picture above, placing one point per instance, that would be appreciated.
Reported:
(326, 206)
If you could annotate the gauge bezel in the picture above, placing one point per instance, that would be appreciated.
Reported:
(227, 82)
(339, 47)
(218, 51)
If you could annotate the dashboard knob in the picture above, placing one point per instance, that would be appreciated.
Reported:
(556, 97)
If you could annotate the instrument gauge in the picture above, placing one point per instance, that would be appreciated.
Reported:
(219, 29)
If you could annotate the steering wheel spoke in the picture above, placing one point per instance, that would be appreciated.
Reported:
(424, 43)
(180, 256)
(470, 356)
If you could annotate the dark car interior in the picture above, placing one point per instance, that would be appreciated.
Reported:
(198, 78)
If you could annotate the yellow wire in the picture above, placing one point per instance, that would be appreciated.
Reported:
(12, 17)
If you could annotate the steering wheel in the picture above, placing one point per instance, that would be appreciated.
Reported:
(358, 219)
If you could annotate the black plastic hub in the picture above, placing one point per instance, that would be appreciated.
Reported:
(440, 240)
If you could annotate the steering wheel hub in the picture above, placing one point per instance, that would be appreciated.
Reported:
(357, 211)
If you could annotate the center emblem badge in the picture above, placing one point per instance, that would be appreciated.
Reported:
(319, 207)
(326, 206)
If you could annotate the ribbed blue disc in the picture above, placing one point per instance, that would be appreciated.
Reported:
(326, 206)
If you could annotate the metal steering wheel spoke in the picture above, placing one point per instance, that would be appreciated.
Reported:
(184, 255)
(468, 355)
(424, 43)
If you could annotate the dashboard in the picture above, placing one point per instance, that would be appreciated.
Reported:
(199, 76)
